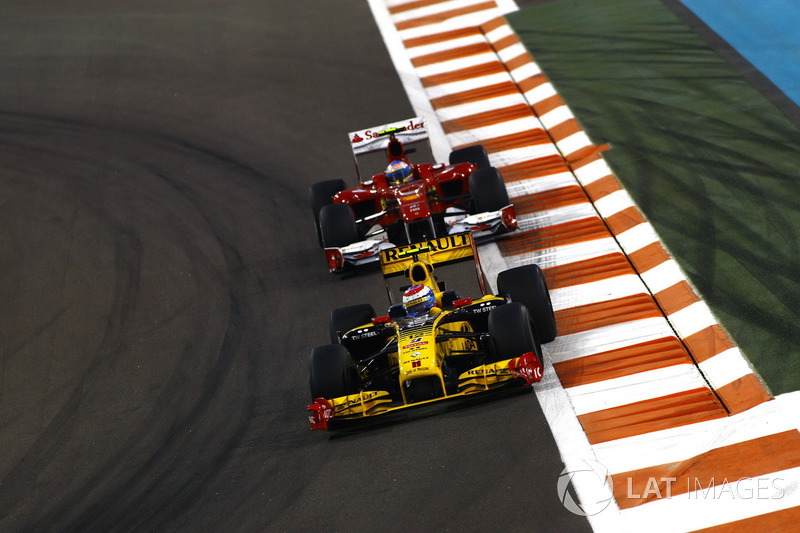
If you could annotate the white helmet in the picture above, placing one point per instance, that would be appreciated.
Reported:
(418, 299)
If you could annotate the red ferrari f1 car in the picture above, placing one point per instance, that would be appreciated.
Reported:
(406, 202)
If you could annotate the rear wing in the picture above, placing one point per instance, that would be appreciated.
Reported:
(376, 139)
(453, 248)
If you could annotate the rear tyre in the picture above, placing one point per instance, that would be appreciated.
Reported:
(344, 319)
(488, 190)
(321, 194)
(337, 226)
(526, 284)
(512, 332)
(331, 372)
(475, 154)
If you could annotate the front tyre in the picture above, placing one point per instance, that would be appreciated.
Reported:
(331, 372)
(337, 226)
(526, 284)
(512, 332)
(488, 190)
(321, 194)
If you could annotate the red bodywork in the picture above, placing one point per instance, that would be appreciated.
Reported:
(527, 368)
(413, 200)
(320, 413)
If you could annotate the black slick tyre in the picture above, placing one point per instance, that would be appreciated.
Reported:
(526, 284)
(337, 226)
(475, 154)
(321, 194)
(512, 331)
(331, 374)
(488, 190)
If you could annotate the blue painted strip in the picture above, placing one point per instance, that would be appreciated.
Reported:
(765, 32)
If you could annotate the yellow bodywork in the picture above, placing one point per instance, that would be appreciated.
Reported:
(442, 250)
(485, 377)
(418, 353)
(363, 404)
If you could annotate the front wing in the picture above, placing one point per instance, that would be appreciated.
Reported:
(355, 255)
(481, 226)
(526, 369)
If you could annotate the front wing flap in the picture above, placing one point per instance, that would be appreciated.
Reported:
(526, 368)
(363, 404)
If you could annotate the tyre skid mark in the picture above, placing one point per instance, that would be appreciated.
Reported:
(101, 498)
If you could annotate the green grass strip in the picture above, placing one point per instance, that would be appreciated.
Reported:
(708, 159)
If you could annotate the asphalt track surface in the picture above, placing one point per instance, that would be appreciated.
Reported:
(162, 286)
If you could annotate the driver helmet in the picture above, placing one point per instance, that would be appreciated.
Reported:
(398, 172)
(418, 299)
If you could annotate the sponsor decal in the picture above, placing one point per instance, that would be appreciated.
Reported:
(409, 131)
(356, 400)
(482, 371)
(485, 307)
(362, 334)
(407, 196)
(435, 245)
(414, 345)
(372, 133)
(415, 302)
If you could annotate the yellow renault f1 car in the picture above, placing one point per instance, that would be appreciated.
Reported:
(378, 365)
